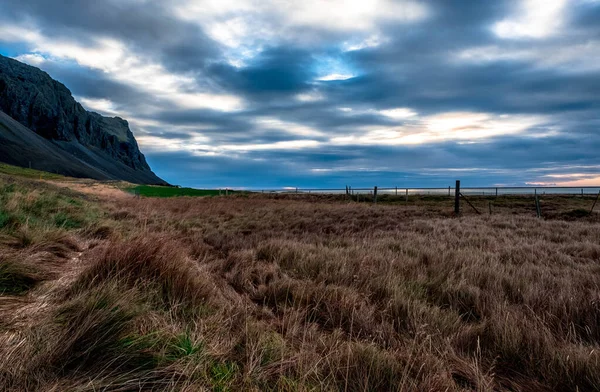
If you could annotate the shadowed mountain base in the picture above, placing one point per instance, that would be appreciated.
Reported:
(22, 147)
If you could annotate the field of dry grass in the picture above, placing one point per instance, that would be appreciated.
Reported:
(295, 293)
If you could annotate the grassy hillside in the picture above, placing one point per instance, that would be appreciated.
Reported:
(27, 173)
(293, 293)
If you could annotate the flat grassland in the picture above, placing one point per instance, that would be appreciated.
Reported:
(294, 293)
(168, 191)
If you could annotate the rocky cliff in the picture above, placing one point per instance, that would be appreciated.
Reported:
(45, 106)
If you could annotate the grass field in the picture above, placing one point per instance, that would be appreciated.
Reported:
(167, 191)
(295, 293)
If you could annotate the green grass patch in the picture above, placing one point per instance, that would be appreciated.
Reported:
(5, 219)
(222, 374)
(183, 346)
(169, 191)
(10, 221)
(66, 221)
(28, 173)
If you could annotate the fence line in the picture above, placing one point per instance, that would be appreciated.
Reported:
(469, 191)
(460, 193)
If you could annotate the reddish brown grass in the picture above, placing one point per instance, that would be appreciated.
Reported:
(291, 294)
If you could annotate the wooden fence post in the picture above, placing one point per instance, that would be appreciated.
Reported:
(457, 198)
(375, 195)
(396, 191)
(496, 192)
(538, 209)
(406, 194)
(448, 190)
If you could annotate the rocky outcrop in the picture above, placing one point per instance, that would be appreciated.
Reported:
(46, 106)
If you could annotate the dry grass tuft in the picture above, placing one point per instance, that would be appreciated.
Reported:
(18, 277)
(152, 261)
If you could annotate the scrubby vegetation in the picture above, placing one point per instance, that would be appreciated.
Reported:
(293, 293)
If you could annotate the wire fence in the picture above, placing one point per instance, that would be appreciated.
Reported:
(449, 191)
(476, 199)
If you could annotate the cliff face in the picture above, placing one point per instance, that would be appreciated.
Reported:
(46, 106)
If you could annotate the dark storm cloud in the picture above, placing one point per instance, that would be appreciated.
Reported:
(225, 135)
(585, 15)
(90, 83)
(201, 117)
(420, 69)
(275, 71)
(506, 87)
(242, 125)
(148, 26)
(331, 118)
(246, 125)
(452, 26)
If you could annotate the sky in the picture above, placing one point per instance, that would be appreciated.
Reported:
(329, 93)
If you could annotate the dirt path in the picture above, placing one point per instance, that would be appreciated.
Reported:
(103, 190)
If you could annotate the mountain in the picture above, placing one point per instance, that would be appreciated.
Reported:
(41, 124)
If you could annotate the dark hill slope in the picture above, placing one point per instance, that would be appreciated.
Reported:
(21, 146)
(96, 146)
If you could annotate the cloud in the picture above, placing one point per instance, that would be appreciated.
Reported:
(533, 19)
(103, 106)
(458, 126)
(578, 57)
(335, 76)
(33, 59)
(112, 57)
(350, 15)
(284, 93)
(398, 113)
